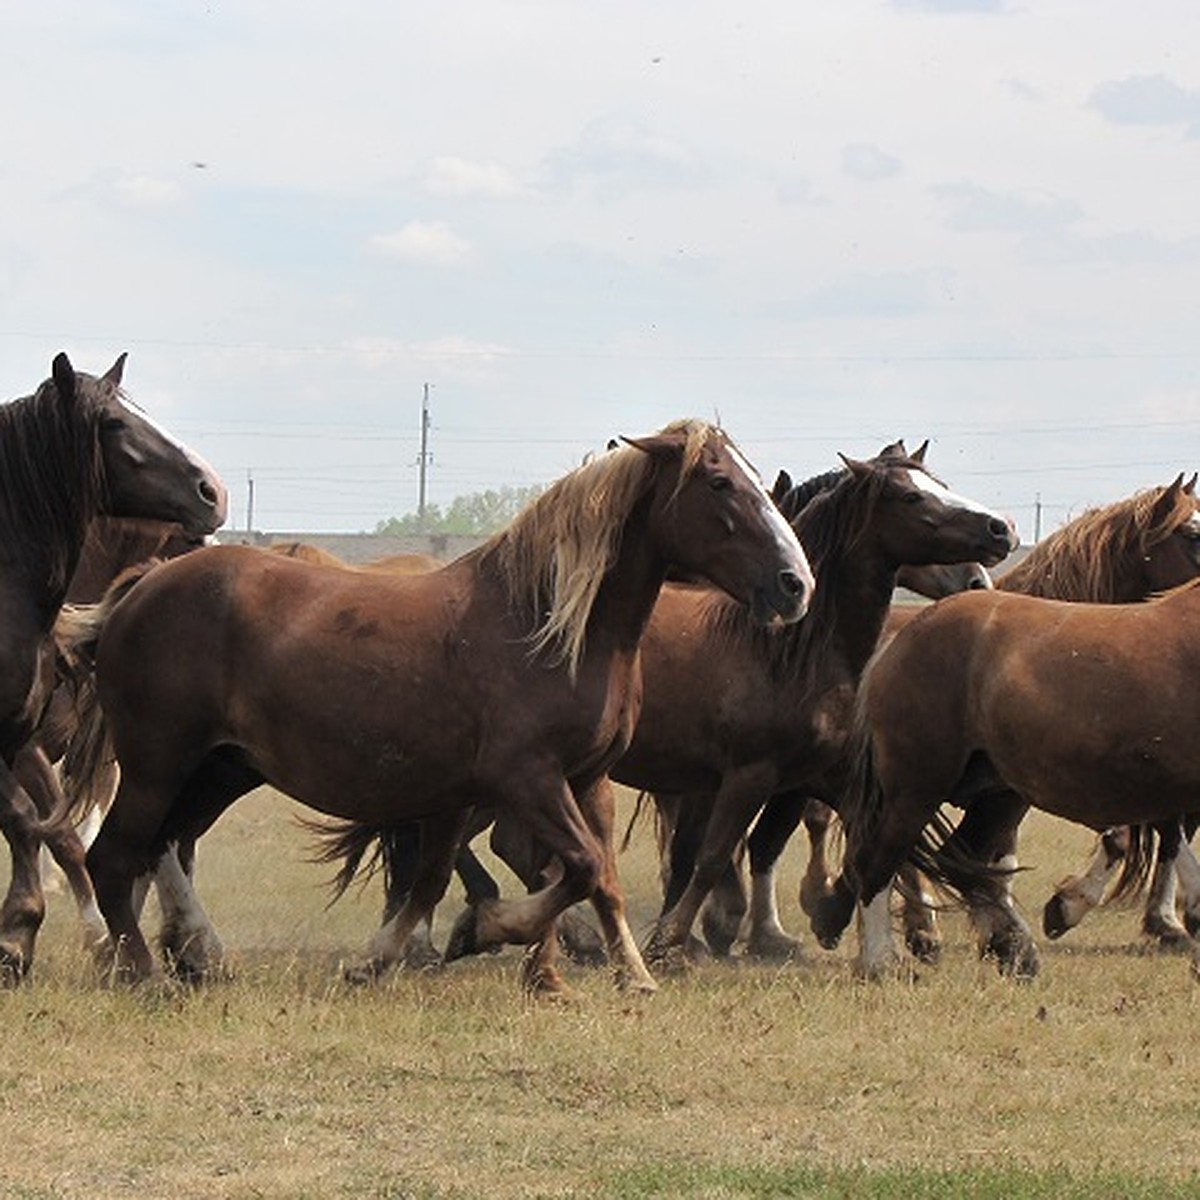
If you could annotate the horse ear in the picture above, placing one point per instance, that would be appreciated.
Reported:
(661, 445)
(918, 455)
(114, 373)
(1190, 486)
(783, 485)
(1167, 500)
(896, 449)
(855, 466)
(63, 375)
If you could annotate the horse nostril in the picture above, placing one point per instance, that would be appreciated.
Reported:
(999, 528)
(208, 493)
(977, 585)
(791, 584)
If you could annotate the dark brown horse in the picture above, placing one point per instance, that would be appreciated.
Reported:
(112, 545)
(1083, 710)
(745, 715)
(509, 677)
(71, 451)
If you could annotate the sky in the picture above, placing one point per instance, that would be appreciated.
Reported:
(826, 225)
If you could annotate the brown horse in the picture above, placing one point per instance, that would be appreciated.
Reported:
(397, 851)
(112, 545)
(71, 451)
(1121, 552)
(744, 714)
(1083, 710)
(391, 564)
(509, 677)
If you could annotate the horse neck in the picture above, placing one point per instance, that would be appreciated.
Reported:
(855, 585)
(630, 588)
(48, 495)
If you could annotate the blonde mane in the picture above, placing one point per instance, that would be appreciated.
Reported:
(1083, 560)
(553, 557)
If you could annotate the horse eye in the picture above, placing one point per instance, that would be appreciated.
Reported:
(720, 483)
(912, 497)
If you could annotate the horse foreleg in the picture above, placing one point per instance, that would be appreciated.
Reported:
(1187, 871)
(440, 839)
(921, 934)
(548, 817)
(817, 881)
(598, 806)
(24, 905)
(741, 796)
(35, 774)
(1077, 895)
(774, 827)
(187, 939)
(1159, 921)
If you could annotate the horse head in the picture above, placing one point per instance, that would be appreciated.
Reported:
(146, 472)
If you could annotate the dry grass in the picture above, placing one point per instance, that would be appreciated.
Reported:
(735, 1080)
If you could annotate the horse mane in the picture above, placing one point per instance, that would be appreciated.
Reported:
(1083, 559)
(830, 525)
(51, 476)
(794, 500)
(553, 556)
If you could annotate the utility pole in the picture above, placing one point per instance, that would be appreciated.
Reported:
(425, 457)
(1037, 518)
(249, 500)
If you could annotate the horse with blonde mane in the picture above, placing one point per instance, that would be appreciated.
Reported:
(510, 677)
(1128, 553)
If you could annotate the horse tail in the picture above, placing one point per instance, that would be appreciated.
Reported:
(1137, 865)
(358, 847)
(639, 811)
(89, 766)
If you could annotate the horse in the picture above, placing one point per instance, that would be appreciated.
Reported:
(681, 820)
(391, 564)
(72, 450)
(1120, 552)
(510, 676)
(112, 545)
(1123, 552)
(1082, 710)
(396, 849)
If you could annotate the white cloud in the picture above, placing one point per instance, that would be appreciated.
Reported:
(869, 163)
(423, 241)
(146, 191)
(459, 177)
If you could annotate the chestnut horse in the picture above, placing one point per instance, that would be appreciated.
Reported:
(71, 451)
(745, 714)
(1121, 552)
(511, 677)
(397, 851)
(1082, 710)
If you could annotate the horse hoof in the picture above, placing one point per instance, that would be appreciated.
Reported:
(829, 920)
(1016, 957)
(422, 957)
(1054, 917)
(463, 940)
(720, 933)
(580, 942)
(363, 974)
(924, 946)
(14, 965)
(774, 946)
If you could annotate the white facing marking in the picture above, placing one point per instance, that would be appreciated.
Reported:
(930, 486)
(785, 535)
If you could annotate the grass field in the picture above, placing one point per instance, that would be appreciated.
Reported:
(734, 1081)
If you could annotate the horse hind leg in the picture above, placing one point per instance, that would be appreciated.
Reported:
(24, 905)
(1077, 895)
(61, 842)
(440, 837)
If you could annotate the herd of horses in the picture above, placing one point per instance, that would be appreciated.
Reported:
(656, 618)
